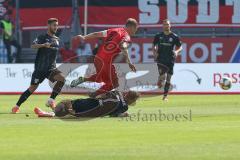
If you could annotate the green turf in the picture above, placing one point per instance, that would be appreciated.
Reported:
(213, 133)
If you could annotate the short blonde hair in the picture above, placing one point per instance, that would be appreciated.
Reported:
(166, 20)
(131, 22)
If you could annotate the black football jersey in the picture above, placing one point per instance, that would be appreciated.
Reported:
(46, 57)
(166, 44)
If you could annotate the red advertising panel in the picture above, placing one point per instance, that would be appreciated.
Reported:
(149, 13)
(195, 50)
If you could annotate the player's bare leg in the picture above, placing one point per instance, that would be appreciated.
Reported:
(162, 70)
(161, 80)
(166, 87)
(24, 97)
(56, 90)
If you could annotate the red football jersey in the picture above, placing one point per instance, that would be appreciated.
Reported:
(113, 38)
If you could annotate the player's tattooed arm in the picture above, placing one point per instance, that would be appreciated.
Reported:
(38, 43)
(93, 35)
(124, 48)
(37, 46)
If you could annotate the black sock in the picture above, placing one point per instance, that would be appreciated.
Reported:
(54, 95)
(166, 88)
(23, 97)
(57, 89)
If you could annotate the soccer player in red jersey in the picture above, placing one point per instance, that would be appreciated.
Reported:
(115, 41)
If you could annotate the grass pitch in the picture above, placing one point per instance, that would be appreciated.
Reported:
(212, 133)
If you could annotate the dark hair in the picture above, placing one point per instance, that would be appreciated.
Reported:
(51, 20)
(131, 22)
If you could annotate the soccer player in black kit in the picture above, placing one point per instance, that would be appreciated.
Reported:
(45, 65)
(166, 47)
(113, 103)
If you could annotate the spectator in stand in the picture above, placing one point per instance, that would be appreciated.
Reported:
(67, 54)
(8, 39)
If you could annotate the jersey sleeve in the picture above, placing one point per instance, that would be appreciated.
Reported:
(178, 42)
(39, 40)
(104, 33)
(155, 40)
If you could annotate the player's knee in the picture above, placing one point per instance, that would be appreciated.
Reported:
(162, 72)
(162, 77)
(62, 79)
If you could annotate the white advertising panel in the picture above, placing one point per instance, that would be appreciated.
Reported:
(187, 78)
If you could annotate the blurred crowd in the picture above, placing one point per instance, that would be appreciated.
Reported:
(70, 52)
(9, 40)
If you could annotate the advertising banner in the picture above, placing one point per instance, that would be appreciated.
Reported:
(149, 13)
(195, 50)
(187, 78)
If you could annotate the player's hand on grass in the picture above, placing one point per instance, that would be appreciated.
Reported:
(132, 67)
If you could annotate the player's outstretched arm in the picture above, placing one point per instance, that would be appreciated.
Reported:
(93, 35)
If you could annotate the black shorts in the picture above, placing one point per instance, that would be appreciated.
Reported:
(165, 68)
(39, 76)
(84, 105)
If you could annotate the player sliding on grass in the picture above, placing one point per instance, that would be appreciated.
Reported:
(165, 55)
(112, 103)
(115, 41)
(45, 65)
